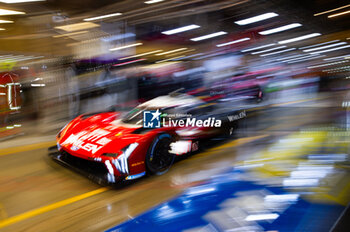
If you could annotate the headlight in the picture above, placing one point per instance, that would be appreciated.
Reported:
(121, 162)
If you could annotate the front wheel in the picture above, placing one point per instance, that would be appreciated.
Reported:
(158, 158)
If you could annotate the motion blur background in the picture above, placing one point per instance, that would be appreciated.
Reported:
(64, 58)
(286, 62)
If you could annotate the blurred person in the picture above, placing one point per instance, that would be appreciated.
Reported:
(52, 97)
(112, 85)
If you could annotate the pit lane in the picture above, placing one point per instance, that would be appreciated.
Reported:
(37, 195)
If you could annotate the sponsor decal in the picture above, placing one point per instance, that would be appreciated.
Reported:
(132, 177)
(137, 163)
(235, 117)
(88, 141)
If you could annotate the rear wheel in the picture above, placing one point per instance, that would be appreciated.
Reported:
(158, 158)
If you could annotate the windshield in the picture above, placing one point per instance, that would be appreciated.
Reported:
(135, 116)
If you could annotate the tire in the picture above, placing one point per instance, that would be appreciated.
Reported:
(229, 129)
(158, 159)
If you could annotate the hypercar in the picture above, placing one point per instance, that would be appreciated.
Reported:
(113, 147)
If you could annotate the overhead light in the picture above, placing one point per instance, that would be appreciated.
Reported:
(299, 38)
(331, 50)
(171, 51)
(209, 55)
(297, 58)
(339, 14)
(289, 57)
(70, 34)
(103, 17)
(18, 57)
(256, 18)
(7, 56)
(209, 36)
(10, 12)
(118, 37)
(37, 85)
(190, 56)
(77, 26)
(268, 50)
(328, 11)
(324, 47)
(233, 42)
(273, 53)
(2, 29)
(126, 46)
(293, 58)
(180, 29)
(177, 57)
(141, 54)
(153, 1)
(129, 62)
(181, 52)
(5, 21)
(257, 48)
(337, 57)
(328, 64)
(189, 71)
(319, 44)
(308, 58)
(338, 69)
(162, 65)
(20, 1)
(279, 29)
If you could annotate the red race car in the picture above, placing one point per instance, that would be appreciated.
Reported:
(111, 147)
